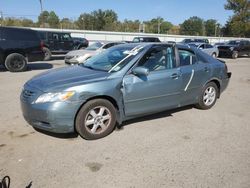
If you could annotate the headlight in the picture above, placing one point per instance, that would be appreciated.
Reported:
(54, 97)
(231, 48)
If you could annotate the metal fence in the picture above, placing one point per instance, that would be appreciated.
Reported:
(124, 36)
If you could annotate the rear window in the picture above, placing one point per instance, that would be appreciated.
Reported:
(20, 34)
(187, 57)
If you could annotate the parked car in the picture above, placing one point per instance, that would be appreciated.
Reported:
(56, 43)
(207, 48)
(235, 48)
(80, 43)
(219, 44)
(79, 56)
(146, 39)
(186, 41)
(19, 46)
(124, 82)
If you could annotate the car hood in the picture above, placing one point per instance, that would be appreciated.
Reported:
(81, 52)
(62, 78)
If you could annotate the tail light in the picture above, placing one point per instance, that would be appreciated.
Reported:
(42, 45)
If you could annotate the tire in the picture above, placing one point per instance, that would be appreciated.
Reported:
(214, 55)
(235, 55)
(211, 92)
(15, 62)
(96, 119)
(47, 54)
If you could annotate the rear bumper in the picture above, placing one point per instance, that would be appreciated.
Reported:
(225, 81)
(225, 53)
(36, 56)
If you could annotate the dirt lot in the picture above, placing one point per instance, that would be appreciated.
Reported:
(182, 148)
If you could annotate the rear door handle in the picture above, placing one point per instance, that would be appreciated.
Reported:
(206, 69)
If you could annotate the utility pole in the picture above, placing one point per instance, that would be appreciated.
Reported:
(41, 6)
(159, 26)
(1, 18)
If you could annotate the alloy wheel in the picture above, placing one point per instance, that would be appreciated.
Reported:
(209, 96)
(98, 120)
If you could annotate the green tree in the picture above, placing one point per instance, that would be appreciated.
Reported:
(66, 23)
(53, 20)
(43, 18)
(211, 27)
(192, 26)
(27, 23)
(239, 24)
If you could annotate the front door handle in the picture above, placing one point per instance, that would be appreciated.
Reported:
(175, 76)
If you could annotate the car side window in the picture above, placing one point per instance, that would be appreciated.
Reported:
(159, 58)
(187, 57)
(108, 45)
(202, 46)
(55, 36)
(65, 37)
(209, 46)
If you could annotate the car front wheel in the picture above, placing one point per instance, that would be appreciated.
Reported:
(208, 96)
(96, 119)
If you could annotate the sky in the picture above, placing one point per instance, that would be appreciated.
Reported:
(175, 11)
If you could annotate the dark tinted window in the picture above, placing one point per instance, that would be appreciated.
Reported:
(208, 46)
(20, 34)
(65, 37)
(108, 45)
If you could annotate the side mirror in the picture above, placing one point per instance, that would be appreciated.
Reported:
(140, 71)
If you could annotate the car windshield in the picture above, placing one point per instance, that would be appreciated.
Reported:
(233, 42)
(94, 46)
(113, 59)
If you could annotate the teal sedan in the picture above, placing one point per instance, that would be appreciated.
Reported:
(121, 83)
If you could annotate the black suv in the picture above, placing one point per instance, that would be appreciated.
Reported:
(56, 43)
(234, 48)
(17, 46)
(146, 39)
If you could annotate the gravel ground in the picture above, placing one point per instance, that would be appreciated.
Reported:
(186, 147)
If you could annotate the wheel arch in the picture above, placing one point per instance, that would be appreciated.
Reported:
(218, 84)
(7, 53)
(108, 98)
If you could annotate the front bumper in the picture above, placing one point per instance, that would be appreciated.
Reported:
(57, 117)
(225, 53)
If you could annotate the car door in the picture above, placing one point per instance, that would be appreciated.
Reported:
(54, 41)
(159, 90)
(66, 42)
(195, 74)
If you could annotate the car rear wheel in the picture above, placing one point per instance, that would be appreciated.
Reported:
(235, 55)
(208, 96)
(96, 119)
(47, 54)
(16, 63)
